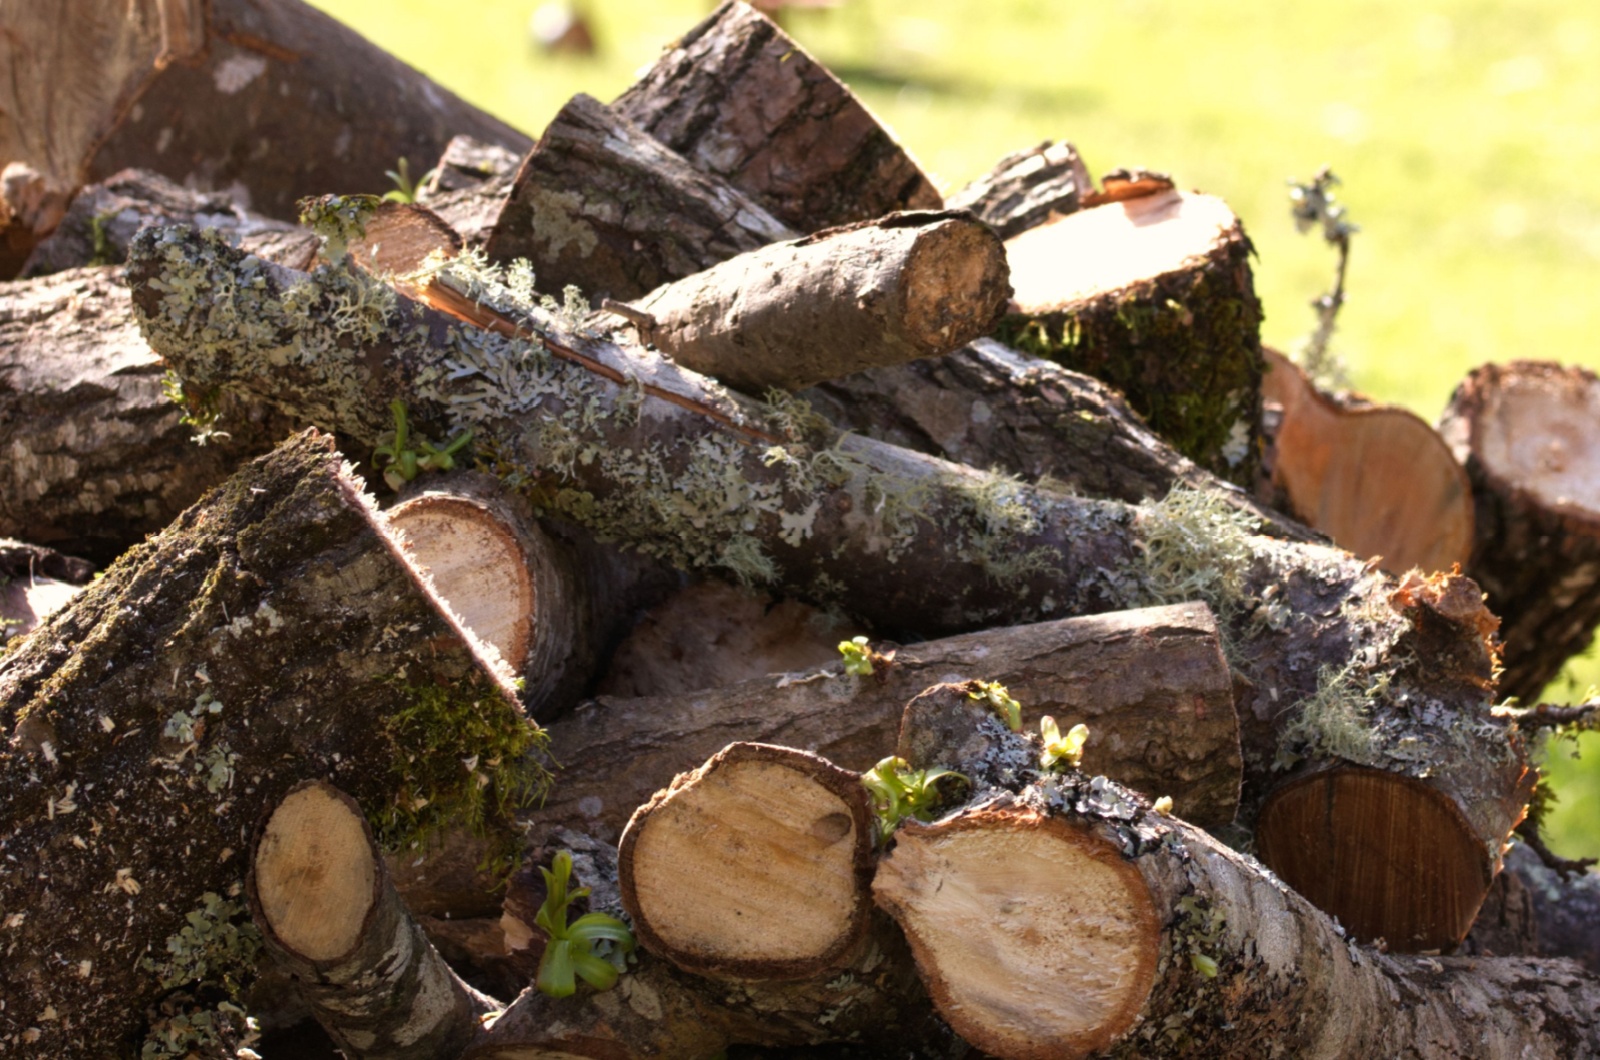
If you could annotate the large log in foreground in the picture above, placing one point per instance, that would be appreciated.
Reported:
(809, 152)
(1154, 296)
(622, 442)
(210, 94)
(271, 634)
(1526, 433)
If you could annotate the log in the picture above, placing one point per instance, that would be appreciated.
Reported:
(632, 448)
(103, 217)
(1027, 189)
(36, 582)
(1522, 430)
(1151, 685)
(1059, 915)
(1375, 478)
(600, 205)
(809, 152)
(329, 916)
(98, 454)
(754, 866)
(908, 286)
(270, 635)
(469, 186)
(1535, 911)
(211, 95)
(1153, 295)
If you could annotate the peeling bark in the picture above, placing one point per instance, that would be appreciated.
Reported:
(1027, 188)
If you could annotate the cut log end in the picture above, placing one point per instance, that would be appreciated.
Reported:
(1389, 856)
(1035, 938)
(315, 875)
(1535, 431)
(754, 866)
(955, 285)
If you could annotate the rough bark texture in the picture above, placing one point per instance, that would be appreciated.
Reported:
(1375, 478)
(634, 449)
(1026, 189)
(1151, 685)
(808, 151)
(96, 454)
(1524, 432)
(329, 915)
(256, 642)
(103, 218)
(467, 163)
(1242, 966)
(753, 866)
(1543, 914)
(600, 204)
(907, 286)
(1153, 295)
(212, 95)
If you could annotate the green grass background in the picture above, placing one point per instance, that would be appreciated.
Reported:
(1467, 134)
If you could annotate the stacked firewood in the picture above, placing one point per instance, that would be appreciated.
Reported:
(697, 504)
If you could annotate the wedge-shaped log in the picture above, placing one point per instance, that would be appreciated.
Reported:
(907, 286)
(97, 454)
(629, 446)
(600, 204)
(1526, 433)
(1154, 296)
(273, 633)
(1375, 478)
(329, 916)
(209, 94)
(809, 151)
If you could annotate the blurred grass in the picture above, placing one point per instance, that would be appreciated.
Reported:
(1467, 134)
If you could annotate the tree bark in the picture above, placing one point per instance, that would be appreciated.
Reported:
(754, 866)
(808, 151)
(103, 217)
(1027, 188)
(908, 286)
(97, 454)
(600, 205)
(1151, 685)
(1375, 478)
(1153, 295)
(1059, 915)
(211, 95)
(329, 916)
(271, 634)
(1538, 912)
(1521, 429)
(634, 449)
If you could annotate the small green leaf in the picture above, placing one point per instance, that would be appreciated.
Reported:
(598, 973)
(555, 978)
(1206, 966)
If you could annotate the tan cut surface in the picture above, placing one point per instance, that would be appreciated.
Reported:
(754, 862)
(477, 567)
(1537, 432)
(1036, 939)
(1109, 247)
(1377, 479)
(314, 871)
(950, 284)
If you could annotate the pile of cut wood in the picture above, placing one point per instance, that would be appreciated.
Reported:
(639, 599)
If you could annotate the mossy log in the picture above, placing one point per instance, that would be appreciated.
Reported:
(329, 916)
(1375, 478)
(1153, 295)
(103, 217)
(753, 866)
(1151, 685)
(1026, 189)
(808, 151)
(624, 443)
(900, 288)
(1057, 915)
(97, 453)
(210, 94)
(600, 204)
(1526, 433)
(271, 634)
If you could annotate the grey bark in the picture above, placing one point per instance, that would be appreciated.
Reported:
(1027, 188)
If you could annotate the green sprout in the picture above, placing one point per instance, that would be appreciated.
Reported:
(1060, 749)
(857, 656)
(570, 953)
(999, 698)
(898, 792)
(404, 463)
(405, 189)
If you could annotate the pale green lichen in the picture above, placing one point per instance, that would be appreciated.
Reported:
(1195, 546)
(1335, 721)
(213, 956)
